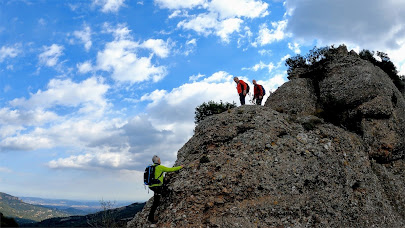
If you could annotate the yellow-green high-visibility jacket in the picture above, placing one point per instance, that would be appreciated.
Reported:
(159, 170)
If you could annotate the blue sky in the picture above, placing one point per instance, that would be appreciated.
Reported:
(90, 90)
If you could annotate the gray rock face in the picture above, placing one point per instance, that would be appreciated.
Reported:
(294, 97)
(254, 166)
(354, 94)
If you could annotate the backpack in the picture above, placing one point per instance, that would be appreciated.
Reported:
(149, 175)
(264, 91)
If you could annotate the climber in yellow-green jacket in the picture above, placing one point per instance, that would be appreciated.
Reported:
(159, 189)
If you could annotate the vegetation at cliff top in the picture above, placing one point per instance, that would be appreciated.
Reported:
(207, 109)
(317, 56)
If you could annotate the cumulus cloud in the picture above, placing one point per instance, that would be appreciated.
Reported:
(158, 46)
(24, 143)
(268, 36)
(180, 4)
(25, 117)
(84, 36)
(190, 46)
(239, 8)
(202, 23)
(128, 145)
(8, 52)
(88, 94)
(196, 77)
(227, 27)
(93, 160)
(85, 67)
(295, 47)
(120, 32)
(261, 66)
(207, 24)
(50, 55)
(109, 5)
(179, 104)
(216, 17)
(121, 59)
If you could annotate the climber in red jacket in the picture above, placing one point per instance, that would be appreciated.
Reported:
(258, 93)
(242, 88)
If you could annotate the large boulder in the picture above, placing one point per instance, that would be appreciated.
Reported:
(352, 93)
(296, 96)
(256, 167)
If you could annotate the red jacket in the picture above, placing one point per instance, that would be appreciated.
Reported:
(239, 87)
(258, 91)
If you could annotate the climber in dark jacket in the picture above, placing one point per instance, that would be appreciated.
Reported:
(242, 89)
(159, 189)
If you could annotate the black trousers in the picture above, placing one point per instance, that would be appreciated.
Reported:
(259, 101)
(159, 191)
(242, 98)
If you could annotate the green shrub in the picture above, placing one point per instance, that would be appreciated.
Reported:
(386, 65)
(211, 108)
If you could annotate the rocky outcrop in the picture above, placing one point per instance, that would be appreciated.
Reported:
(287, 165)
(294, 97)
(352, 93)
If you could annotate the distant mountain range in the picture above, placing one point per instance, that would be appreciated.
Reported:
(39, 212)
(117, 217)
(22, 212)
(70, 206)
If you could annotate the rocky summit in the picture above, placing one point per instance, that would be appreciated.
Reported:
(324, 152)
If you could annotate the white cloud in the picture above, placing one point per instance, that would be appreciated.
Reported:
(190, 46)
(268, 36)
(202, 24)
(88, 95)
(85, 36)
(207, 24)
(128, 145)
(155, 95)
(239, 8)
(16, 117)
(158, 46)
(121, 59)
(9, 130)
(196, 77)
(24, 143)
(85, 67)
(217, 17)
(91, 160)
(51, 54)
(261, 66)
(265, 52)
(179, 104)
(295, 47)
(8, 52)
(109, 5)
(180, 4)
(120, 32)
(228, 27)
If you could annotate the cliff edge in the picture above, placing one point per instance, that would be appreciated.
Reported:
(324, 152)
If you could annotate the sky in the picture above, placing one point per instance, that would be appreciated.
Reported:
(90, 90)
